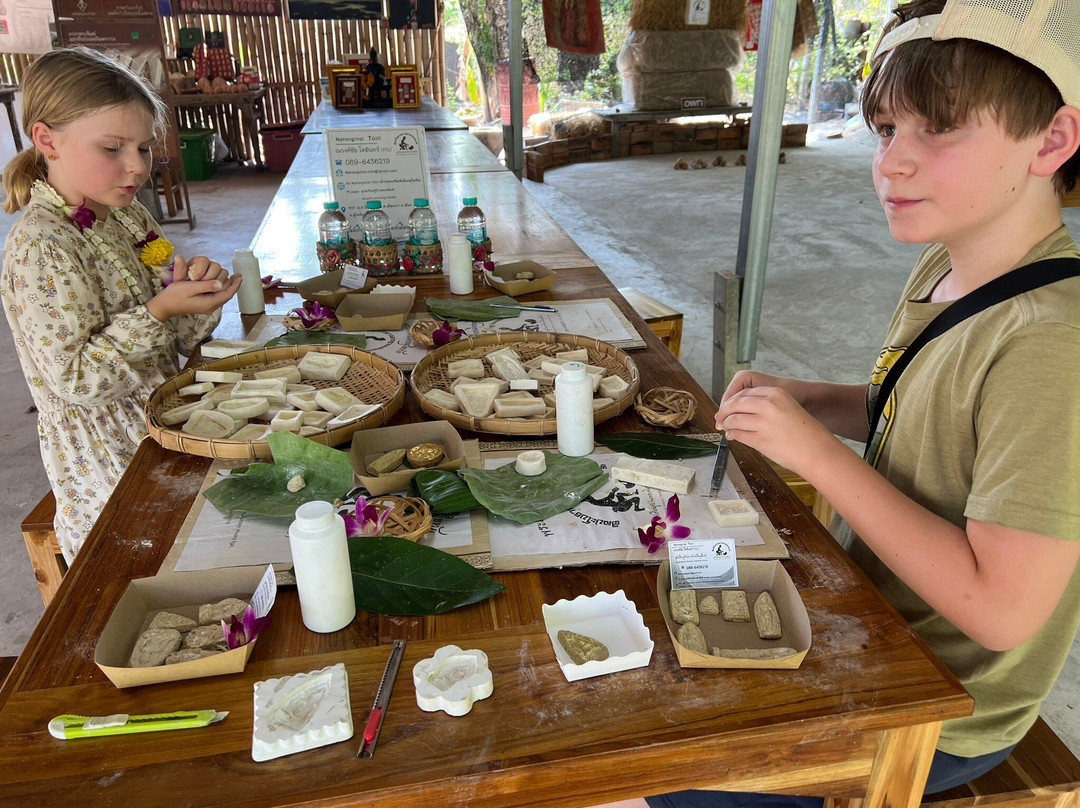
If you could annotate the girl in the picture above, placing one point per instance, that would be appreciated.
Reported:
(96, 311)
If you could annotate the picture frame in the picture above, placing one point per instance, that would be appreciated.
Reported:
(405, 87)
(345, 88)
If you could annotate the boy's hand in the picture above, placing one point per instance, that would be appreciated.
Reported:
(208, 290)
(770, 420)
(746, 379)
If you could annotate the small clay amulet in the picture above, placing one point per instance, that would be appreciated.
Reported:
(424, 455)
(582, 649)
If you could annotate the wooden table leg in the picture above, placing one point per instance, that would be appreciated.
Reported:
(898, 776)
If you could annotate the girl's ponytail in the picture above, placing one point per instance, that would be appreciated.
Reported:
(19, 174)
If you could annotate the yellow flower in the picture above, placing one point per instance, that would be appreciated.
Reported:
(156, 253)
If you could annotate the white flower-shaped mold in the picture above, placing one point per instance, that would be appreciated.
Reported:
(608, 617)
(452, 680)
(296, 713)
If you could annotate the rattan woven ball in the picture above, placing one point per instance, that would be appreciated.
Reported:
(665, 406)
(294, 323)
(409, 517)
(421, 332)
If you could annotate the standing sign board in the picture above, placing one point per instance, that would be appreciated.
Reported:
(388, 164)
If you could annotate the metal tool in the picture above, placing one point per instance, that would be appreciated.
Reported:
(69, 727)
(719, 468)
(522, 308)
(382, 698)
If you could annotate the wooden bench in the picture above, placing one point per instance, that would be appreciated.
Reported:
(42, 547)
(1041, 772)
(619, 115)
(663, 320)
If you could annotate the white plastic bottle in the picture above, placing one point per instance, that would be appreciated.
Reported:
(574, 410)
(320, 556)
(250, 298)
(459, 264)
(471, 222)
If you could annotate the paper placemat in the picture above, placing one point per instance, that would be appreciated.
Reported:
(600, 319)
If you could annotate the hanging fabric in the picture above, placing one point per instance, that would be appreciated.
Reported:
(574, 25)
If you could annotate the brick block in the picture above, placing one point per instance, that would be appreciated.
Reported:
(559, 147)
(660, 147)
(641, 136)
(602, 154)
(641, 148)
(580, 155)
(579, 142)
(601, 142)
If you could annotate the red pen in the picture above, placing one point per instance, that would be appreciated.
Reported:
(382, 698)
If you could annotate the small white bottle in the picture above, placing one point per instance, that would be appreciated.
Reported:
(574, 410)
(459, 264)
(320, 554)
(250, 298)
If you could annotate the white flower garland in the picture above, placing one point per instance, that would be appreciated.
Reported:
(50, 195)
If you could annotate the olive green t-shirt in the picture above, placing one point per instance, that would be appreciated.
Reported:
(984, 424)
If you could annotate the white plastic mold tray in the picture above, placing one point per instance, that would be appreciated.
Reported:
(608, 617)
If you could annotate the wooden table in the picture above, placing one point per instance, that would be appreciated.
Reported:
(430, 116)
(242, 140)
(449, 151)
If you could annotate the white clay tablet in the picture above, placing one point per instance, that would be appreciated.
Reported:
(287, 421)
(473, 368)
(576, 355)
(251, 432)
(220, 348)
(351, 414)
(210, 424)
(289, 373)
(613, 386)
(531, 463)
(317, 418)
(273, 390)
(220, 393)
(329, 367)
(524, 384)
(197, 389)
(180, 414)
(477, 398)
(336, 399)
(653, 473)
(443, 399)
(517, 408)
(223, 376)
(733, 512)
(244, 407)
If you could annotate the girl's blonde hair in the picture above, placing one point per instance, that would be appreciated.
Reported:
(62, 86)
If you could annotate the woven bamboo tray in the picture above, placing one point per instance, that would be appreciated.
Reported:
(430, 372)
(371, 379)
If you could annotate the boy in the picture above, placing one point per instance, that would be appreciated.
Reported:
(967, 513)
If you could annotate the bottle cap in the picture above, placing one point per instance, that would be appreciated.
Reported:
(458, 238)
(469, 200)
(420, 203)
(330, 205)
(375, 204)
(312, 518)
(244, 253)
(573, 371)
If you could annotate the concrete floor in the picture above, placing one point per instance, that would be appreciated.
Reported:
(834, 277)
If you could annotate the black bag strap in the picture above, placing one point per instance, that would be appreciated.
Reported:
(1009, 285)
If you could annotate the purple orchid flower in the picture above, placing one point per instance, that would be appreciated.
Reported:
(270, 282)
(445, 334)
(83, 217)
(312, 313)
(241, 632)
(365, 519)
(660, 530)
(150, 236)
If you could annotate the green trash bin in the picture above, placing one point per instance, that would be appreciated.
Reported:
(197, 149)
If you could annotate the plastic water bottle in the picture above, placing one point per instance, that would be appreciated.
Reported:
(423, 229)
(376, 225)
(333, 226)
(320, 555)
(472, 223)
(574, 410)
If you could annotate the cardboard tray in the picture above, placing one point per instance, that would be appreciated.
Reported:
(754, 577)
(608, 617)
(370, 444)
(502, 278)
(309, 289)
(367, 312)
(182, 593)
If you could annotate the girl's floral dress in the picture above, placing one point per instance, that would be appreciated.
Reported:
(90, 351)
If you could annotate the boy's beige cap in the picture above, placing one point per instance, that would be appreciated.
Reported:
(1045, 33)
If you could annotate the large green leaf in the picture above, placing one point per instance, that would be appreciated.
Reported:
(396, 576)
(297, 337)
(503, 491)
(261, 488)
(480, 311)
(655, 446)
(443, 491)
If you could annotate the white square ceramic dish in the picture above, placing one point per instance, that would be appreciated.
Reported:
(608, 617)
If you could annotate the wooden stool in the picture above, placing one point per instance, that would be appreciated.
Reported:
(664, 321)
(42, 547)
(171, 189)
(1041, 772)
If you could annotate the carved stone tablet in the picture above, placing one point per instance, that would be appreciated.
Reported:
(684, 606)
(690, 636)
(767, 618)
(736, 609)
(222, 610)
(754, 653)
(204, 637)
(153, 646)
(708, 605)
(170, 620)
(582, 649)
(188, 655)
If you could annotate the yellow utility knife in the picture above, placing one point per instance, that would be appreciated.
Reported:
(69, 727)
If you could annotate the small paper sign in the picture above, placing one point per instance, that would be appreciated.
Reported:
(265, 593)
(353, 277)
(703, 564)
(697, 12)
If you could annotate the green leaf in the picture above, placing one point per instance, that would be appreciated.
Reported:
(443, 491)
(503, 491)
(655, 446)
(480, 311)
(396, 576)
(297, 337)
(262, 488)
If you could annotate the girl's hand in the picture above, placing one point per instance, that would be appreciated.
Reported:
(199, 268)
(770, 420)
(208, 292)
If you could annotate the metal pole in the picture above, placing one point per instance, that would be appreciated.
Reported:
(766, 128)
(513, 138)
